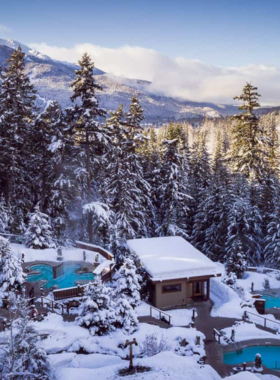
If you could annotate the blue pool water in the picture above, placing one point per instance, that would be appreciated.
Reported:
(65, 281)
(270, 355)
(271, 301)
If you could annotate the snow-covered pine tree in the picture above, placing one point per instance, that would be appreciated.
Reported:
(215, 209)
(250, 143)
(97, 312)
(201, 178)
(11, 273)
(272, 236)
(102, 219)
(240, 237)
(39, 234)
(17, 113)
(23, 358)
(4, 215)
(135, 114)
(236, 261)
(173, 190)
(127, 282)
(60, 167)
(92, 138)
(126, 317)
(127, 192)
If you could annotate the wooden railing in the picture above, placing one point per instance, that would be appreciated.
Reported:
(53, 303)
(75, 291)
(94, 248)
(160, 313)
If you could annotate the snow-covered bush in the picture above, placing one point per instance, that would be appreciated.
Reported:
(96, 311)
(11, 273)
(126, 317)
(38, 234)
(230, 280)
(127, 283)
(153, 345)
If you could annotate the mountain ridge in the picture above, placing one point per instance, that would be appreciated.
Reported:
(52, 80)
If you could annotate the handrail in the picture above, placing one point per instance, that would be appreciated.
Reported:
(260, 316)
(53, 303)
(160, 312)
(216, 332)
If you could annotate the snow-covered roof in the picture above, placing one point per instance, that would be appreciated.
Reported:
(102, 266)
(171, 257)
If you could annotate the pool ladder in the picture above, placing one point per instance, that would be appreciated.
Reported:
(276, 366)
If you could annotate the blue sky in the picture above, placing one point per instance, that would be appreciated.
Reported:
(220, 32)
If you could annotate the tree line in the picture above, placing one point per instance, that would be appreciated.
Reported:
(82, 174)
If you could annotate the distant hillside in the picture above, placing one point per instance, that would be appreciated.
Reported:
(52, 79)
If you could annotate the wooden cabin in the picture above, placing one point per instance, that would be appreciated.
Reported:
(178, 272)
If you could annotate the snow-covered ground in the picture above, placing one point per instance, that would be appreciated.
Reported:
(69, 254)
(258, 279)
(77, 355)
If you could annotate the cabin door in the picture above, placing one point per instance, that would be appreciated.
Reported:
(197, 288)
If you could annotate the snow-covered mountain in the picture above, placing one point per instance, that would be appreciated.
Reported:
(52, 79)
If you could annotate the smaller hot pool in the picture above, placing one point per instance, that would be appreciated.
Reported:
(271, 301)
(66, 280)
(270, 356)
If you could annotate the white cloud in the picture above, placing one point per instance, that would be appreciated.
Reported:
(179, 77)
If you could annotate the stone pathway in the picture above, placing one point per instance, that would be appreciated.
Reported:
(205, 323)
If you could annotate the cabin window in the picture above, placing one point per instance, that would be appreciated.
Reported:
(171, 288)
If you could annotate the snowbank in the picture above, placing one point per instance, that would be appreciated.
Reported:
(226, 300)
(50, 254)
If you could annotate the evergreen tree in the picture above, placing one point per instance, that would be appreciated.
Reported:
(126, 317)
(96, 312)
(38, 234)
(173, 189)
(236, 262)
(4, 215)
(17, 113)
(272, 239)
(11, 273)
(91, 136)
(22, 358)
(201, 176)
(127, 192)
(249, 147)
(127, 283)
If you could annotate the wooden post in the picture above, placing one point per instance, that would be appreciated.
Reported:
(244, 366)
(42, 301)
(208, 289)
(52, 306)
(130, 344)
(252, 287)
(193, 314)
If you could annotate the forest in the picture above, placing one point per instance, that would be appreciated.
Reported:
(81, 174)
